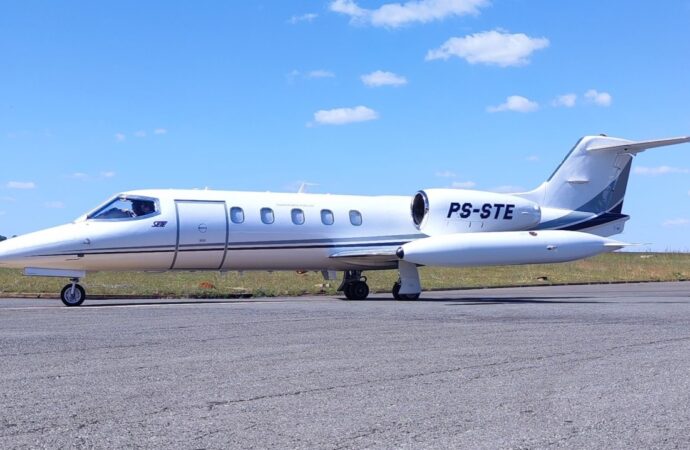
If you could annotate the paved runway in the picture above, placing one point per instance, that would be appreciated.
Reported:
(557, 367)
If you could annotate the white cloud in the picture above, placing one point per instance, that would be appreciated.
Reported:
(350, 8)
(490, 47)
(320, 73)
(463, 184)
(393, 15)
(160, 131)
(54, 205)
(676, 223)
(381, 78)
(21, 185)
(446, 174)
(565, 100)
(598, 98)
(79, 176)
(8, 199)
(311, 75)
(120, 137)
(507, 189)
(140, 134)
(87, 177)
(308, 17)
(294, 73)
(660, 170)
(532, 158)
(515, 103)
(341, 116)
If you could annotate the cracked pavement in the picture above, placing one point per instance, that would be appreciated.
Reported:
(543, 367)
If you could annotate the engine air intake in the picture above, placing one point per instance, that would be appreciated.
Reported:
(420, 208)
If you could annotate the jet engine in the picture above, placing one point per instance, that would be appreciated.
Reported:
(447, 211)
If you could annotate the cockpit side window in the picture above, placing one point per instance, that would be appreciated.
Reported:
(125, 208)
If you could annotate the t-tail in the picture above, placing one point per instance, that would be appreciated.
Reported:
(587, 190)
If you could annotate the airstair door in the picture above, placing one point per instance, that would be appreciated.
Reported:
(202, 235)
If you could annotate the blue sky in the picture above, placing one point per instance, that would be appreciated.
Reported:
(361, 97)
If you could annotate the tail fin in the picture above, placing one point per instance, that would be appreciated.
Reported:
(586, 191)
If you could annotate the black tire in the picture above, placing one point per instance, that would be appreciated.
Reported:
(398, 296)
(73, 299)
(359, 290)
(396, 291)
(347, 290)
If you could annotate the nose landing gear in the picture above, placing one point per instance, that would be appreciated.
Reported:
(73, 294)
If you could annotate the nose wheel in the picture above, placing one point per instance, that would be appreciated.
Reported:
(73, 294)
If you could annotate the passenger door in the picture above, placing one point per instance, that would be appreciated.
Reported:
(202, 235)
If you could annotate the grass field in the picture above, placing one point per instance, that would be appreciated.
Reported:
(618, 267)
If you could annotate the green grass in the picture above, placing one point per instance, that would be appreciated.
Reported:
(618, 267)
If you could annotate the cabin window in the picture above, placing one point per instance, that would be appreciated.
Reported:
(327, 217)
(236, 214)
(297, 216)
(125, 208)
(267, 216)
(355, 218)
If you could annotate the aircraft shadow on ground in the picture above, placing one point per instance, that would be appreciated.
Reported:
(468, 301)
(104, 303)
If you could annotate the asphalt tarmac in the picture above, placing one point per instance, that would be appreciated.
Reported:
(545, 367)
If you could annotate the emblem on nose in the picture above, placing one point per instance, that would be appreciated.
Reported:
(203, 228)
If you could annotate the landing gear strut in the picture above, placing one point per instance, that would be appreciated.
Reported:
(354, 285)
(408, 282)
(73, 294)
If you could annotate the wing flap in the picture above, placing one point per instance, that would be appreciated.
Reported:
(383, 253)
(370, 257)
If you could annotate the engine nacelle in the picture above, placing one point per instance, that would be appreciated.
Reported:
(446, 211)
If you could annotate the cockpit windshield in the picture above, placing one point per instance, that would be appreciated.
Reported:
(125, 207)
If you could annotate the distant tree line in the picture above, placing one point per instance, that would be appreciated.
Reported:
(2, 238)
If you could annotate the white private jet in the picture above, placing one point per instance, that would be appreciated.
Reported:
(568, 217)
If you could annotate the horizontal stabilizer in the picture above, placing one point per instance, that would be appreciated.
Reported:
(640, 146)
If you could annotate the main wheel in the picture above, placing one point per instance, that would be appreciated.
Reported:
(398, 296)
(73, 297)
(347, 290)
(359, 290)
(396, 291)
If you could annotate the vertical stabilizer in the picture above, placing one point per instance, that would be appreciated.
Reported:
(586, 191)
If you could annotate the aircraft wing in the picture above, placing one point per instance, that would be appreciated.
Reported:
(640, 146)
(370, 257)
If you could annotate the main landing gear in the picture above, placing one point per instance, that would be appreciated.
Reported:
(73, 294)
(354, 285)
(408, 287)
